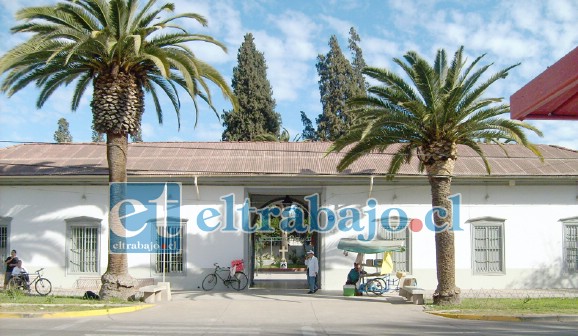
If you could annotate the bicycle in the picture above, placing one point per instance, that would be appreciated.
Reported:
(42, 285)
(380, 285)
(237, 279)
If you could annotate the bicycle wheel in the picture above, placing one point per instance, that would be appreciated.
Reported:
(43, 286)
(384, 283)
(239, 281)
(209, 282)
(16, 284)
(375, 286)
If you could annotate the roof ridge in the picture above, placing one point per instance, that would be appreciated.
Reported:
(563, 148)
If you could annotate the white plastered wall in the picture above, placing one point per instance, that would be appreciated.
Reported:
(533, 232)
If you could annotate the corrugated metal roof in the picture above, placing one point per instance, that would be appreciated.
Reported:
(262, 158)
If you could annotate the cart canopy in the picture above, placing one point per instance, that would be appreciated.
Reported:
(371, 246)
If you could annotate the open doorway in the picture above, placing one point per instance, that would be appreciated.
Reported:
(277, 257)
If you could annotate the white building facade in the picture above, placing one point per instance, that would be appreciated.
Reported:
(515, 229)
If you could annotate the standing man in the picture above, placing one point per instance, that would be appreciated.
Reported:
(312, 270)
(10, 262)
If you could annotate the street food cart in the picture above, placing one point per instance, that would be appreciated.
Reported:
(378, 282)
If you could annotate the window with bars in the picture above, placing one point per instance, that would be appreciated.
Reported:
(4, 229)
(488, 246)
(401, 260)
(571, 246)
(170, 261)
(83, 245)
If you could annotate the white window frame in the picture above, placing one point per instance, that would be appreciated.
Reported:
(570, 245)
(398, 258)
(177, 264)
(487, 223)
(5, 239)
(82, 223)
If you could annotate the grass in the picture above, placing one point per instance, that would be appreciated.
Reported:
(15, 301)
(526, 306)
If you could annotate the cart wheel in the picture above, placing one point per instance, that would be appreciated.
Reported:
(375, 286)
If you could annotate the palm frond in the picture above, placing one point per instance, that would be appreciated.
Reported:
(53, 82)
(77, 40)
(476, 147)
(151, 89)
(147, 18)
(81, 86)
(80, 15)
(197, 17)
(439, 107)
(169, 89)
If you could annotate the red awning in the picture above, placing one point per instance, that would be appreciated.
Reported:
(553, 95)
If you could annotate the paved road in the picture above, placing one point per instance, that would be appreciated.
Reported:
(268, 312)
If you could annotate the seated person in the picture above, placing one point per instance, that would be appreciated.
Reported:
(354, 274)
(19, 270)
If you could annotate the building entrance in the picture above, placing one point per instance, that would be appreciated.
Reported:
(277, 256)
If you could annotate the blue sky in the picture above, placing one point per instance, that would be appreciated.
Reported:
(292, 33)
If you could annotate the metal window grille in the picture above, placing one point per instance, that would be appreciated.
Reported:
(3, 240)
(571, 247)
(488, 249)
(83, 254)
(400, 259)
(170, 262)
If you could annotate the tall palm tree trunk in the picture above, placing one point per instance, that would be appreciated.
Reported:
(440, 179)
(116, 281)
(118, 104)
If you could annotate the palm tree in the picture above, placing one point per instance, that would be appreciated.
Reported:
(439, 108)
(125, 50)
(284, 136)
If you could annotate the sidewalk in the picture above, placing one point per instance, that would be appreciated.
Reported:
(283, 306)
(290, 296)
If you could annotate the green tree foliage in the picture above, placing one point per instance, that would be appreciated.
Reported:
(309, 132)
(256, 115)
(96, 136)
(358, 64)
(137, 137)
(62, 134)
(440, 107)
(339, 81)
(124, 48)
(284, 136)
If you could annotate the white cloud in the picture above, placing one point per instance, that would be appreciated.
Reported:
(147, 130)
(561, 133)
(12, 6)
(292, 33)
(340, 26)
(564, 10)
(379, 52)
(288, 55)
(208, 132)
(297, 30)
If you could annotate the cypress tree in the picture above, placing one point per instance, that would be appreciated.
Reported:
(337, 84)
(358, 64)
(62, 134)
(335, 73)
(309, 133)
(256, 115)
(137, 137)
(97, 136)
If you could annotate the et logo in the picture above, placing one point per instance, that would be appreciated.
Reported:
(145, 218)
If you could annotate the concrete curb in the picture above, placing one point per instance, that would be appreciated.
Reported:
(505, 318)
(82, 313)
